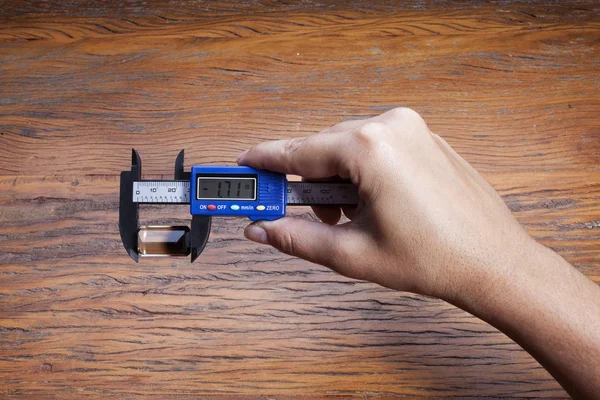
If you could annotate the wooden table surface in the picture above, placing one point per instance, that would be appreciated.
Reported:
(514, 88)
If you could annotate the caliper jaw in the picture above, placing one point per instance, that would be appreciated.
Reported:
(129, 226)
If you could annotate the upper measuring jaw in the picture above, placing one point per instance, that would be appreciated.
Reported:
(212, 191)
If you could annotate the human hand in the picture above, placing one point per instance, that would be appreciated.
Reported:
(427, 222)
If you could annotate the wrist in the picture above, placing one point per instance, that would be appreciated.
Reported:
(549, 308)
(487, 288)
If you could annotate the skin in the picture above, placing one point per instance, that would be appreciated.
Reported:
(429, 223)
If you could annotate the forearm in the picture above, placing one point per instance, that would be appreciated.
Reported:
(553, 312)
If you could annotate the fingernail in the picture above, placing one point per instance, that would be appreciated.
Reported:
(256, 233)
(239, 158)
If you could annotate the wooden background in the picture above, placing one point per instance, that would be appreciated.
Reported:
(513, 87)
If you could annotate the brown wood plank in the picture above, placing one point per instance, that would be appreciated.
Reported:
(513, 87)
(246, 319)
(530, 96)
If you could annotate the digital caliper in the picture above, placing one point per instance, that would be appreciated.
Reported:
(212, 191)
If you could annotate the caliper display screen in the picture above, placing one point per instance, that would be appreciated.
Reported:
(225, 188)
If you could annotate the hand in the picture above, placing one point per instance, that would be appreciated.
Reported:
(427, 221)
(430, 224)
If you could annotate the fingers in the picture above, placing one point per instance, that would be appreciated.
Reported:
(400, 115)
(329, 214)
(332, 246)
(399, 118)
(348, 149)
(317, 156)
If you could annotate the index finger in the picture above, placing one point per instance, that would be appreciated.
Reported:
(317, 156)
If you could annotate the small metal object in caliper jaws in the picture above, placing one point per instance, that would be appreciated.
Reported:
(157, 240)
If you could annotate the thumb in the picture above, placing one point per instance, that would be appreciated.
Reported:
(313, 241)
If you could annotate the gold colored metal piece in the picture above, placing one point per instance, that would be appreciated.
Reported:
(163, 241)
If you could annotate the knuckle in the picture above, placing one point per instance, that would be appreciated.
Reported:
(285, 242)
(404, 113)
(371, 134)
(292, 146)
(407, 121)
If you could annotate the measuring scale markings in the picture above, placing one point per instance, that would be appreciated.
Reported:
(298, 193)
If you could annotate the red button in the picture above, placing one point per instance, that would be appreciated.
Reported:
(211, 207)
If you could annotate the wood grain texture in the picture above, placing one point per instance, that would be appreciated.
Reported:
(513, 87)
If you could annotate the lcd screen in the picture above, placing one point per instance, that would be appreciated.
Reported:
(225, 188)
